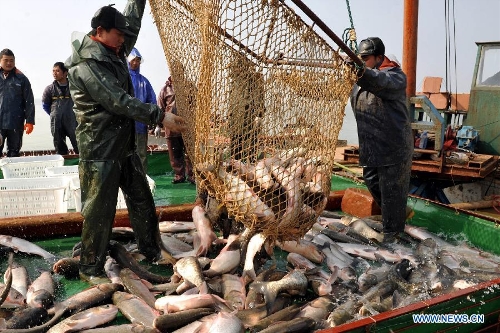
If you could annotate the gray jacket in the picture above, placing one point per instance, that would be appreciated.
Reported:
(383, 120)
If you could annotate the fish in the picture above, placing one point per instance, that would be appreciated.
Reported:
(254, 246)
(22, 245)
(373, 276)
(399, 274)
(7, 278)
(319, 308)
(171, 321)
(253, 316)
(294, 281)
(342, 266)
(87, 298)
(175, 303)
(112, 270)
(233, 291)
(303, 247)
(134, 308)
(134, 285)
(226, 322)
(228, 258)
(175, 246)
(204, 228)
(376, 307)
(189, 269)
(342, 313)
(241, 200)
(13, 298)
(67, 267)
(124, 328)
(291, 185)
(254, 299)
(285, 314)
(365, 230)
(89, 318)
(301, 324)
(125, 260)
(41, 291)
(20, 278)
(176, 226)
(27, 317)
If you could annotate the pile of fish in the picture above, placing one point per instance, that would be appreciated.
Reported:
(280, 195)
(338, 272)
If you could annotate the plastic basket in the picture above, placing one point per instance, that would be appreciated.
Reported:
(29, 166)
(33, 196)
(70, 171)
(120, 204)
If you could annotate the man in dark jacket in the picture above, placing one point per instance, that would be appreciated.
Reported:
(16, 104)
(102, 90)
(384, 131)
(57, 102)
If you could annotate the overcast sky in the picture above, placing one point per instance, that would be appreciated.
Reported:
(39, 31)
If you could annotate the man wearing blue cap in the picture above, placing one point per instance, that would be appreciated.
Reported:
(143, 91)
(106, 112)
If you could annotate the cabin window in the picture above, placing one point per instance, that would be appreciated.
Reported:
(489, 67)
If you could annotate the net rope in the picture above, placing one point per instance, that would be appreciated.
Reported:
(264, 97)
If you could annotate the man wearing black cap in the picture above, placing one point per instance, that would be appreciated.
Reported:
(384, 132)
(106, 112)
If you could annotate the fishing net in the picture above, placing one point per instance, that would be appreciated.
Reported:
(264, 97)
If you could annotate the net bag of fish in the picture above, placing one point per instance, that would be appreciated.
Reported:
(264, 97)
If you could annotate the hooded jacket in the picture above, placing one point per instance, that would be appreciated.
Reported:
(16, 100)
(383, 120)
(142, 88)
(102, 91)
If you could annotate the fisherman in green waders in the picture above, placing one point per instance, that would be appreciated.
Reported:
(106, 112)
(385, 136)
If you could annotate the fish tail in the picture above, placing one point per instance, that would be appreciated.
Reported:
(269, 294)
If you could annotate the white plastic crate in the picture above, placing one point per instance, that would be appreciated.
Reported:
(70, 171)
(29, 166)
(33, 196)
(120, 204)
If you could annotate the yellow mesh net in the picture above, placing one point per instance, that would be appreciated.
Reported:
(264, 98)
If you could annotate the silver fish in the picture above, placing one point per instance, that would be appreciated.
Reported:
(135, 309)
(294, 281)
(41, 291)
(135, 286)
(228, 258)
(189, 269)
(22, 245)
(89, 318)
(204, 228)
(20, 278)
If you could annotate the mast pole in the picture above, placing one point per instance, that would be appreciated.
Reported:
(410, 33)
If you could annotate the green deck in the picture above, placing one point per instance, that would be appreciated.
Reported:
(437, 218)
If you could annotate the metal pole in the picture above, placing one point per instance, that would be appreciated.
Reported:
(328, 31)
(410, 45)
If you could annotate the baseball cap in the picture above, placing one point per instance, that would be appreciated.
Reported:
(371, 45)
(108, 17)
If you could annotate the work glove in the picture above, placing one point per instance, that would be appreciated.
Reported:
(174, 123)
(157, 131)
(28, 128)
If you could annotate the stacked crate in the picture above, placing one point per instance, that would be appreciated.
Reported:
(26, 191)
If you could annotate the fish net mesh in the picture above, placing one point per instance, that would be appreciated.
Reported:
(264, 97)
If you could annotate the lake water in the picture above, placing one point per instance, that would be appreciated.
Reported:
(41, 138)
